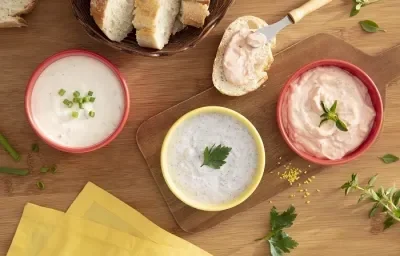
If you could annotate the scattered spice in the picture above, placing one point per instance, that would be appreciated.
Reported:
(308, 202)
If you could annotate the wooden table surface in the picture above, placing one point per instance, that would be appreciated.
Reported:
(330, 225)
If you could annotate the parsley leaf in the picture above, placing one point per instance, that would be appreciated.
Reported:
(279, 241)
(214, 157)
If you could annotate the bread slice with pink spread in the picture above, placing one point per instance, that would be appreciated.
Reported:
(219, 79)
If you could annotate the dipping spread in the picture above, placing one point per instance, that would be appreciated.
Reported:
(76, 125)
(185, 158)
(243, 60)
(302, 110)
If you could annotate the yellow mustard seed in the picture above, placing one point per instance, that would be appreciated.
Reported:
(308, 202)
(270, 202)
(301, 190)
(307, 193)
(309, 166)
(279, 173)
(305, 190)
(299, 184)
(305, 196)
(318, 190)
(313, 177)
(305, 172)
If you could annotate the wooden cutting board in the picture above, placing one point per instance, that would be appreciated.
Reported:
(260, 107)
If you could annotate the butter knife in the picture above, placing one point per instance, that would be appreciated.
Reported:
(293, 17)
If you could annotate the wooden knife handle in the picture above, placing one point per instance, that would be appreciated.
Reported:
(297, 14)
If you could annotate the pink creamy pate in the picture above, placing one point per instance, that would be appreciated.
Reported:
(302, 109)
(242, 58)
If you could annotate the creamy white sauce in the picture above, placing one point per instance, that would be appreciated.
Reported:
(185, 156)
(83, 74)
(302, 110)
(243, 58)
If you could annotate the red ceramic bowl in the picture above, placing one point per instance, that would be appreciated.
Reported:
(39, 71)
(376, 102)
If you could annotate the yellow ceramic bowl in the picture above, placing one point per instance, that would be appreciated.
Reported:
(248, 191)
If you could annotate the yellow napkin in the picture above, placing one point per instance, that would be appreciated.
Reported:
(96, 224)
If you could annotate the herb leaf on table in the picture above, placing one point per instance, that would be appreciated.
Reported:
(370, 26)
(389, 158)
(279, 241)
(357, 4)
(214, 157)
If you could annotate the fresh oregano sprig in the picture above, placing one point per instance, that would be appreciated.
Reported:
(330, 114)
(385, 200)
(357, 4)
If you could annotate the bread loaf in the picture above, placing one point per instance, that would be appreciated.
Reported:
(194, 12)
(154, 21)
(114, 17)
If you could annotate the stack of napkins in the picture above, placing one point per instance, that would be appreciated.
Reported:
(96, 224)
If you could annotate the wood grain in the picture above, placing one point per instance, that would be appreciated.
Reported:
(260, 108)
(330, 225)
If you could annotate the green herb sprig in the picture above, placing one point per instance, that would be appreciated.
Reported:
(370, 26)
(330, 114)
(279, 241)
(214, 157)
(7, 147)
(385, 200)
(358, 4)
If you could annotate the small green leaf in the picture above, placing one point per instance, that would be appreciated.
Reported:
(323, 121)
(370, 26)
(354, 10)
(372, 212)
(281, 243)
(362, 197)
(215, 156)
(333, 108)
(374, 195)
(323, 107)
(283, 220)
(388, 222)
(396, 197)
(347, 190)
(389, 158)
(371, 181)
(341, 125)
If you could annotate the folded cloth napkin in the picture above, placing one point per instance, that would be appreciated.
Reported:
(97, 224)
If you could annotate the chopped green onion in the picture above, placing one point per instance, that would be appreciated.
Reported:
(86, 99)
(76, 94)
(92, 113)
(40, 185)
(66, 102)
(70, 104)
(44, 169)
(76, 100)
(53, 169)
(80, 100)
(75, 114)
(61, 92)
(14, 154)
(90, 93)
(20, 172)
(92, 99)
(81, 105)
(35, 147)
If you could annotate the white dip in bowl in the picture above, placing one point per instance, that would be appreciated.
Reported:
(202, 186)
(94, 121)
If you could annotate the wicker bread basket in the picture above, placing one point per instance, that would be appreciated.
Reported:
(186, 39)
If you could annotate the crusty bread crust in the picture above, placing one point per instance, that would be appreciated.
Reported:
(13, 22)
(97, 9)
(194, 12)
(219, 79)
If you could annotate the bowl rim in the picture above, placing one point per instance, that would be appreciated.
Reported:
(355, 71)
(259, 170)
(32, 82)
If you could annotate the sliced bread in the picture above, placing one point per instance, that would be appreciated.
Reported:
(114, 17)
(154, 21)
(194, 12)
(265, 51)
(10, 11)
